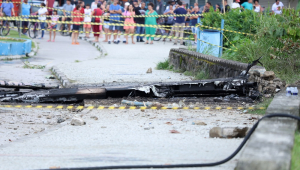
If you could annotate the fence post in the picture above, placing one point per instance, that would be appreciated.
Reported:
(221, 38)
(198, 35)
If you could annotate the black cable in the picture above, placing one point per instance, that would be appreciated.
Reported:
(189, 165)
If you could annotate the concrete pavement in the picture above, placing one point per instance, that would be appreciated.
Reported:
(119, 137)
(49, 54)
(123, 63)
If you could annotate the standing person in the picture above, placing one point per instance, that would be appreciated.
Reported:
(179, 22)
(150, 21)
(6, 9)
(87, 20)
(52, 26)
(169, 21)
(115, 13)
(160, 7)
(206, 7)
(227, 7)
(257, 7)
(42, 11)
(143, 6)
(277, 7)
(49, 6)
(194, 20)
(106, 22)
(96, 13)
(218, 8)
(67, 9)
(139, 20)
(235, 4)
(25, 12)
(247, 5)
(122, 20)
(129, 29)
(94, 5)
(76, 18)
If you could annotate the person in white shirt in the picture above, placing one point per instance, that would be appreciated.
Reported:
(277, 7)
(87, 20)
(42, 11)
(94, 5)
(235, 4)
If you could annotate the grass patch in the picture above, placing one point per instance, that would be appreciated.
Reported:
(15, 34)
(10, 40)
(165, 65)
(77, 61)
(188, 73)
(265, 103)
(32, 66)
(202, 75)
(296, 153)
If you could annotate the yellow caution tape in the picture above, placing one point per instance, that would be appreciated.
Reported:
(132, 107)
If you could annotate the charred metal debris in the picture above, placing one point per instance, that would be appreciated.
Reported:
(211, 87)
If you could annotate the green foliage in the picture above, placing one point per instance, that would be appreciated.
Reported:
(202, 75)
(276, 39)
(264, 103)
(163, 65)
(296, 153)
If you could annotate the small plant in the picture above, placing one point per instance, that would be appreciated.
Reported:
(202, 75)
(163, 65)
(188, 73)
(31, 66)
(77, 61)
(265, 104)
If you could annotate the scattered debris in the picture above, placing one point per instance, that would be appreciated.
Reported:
(50, 77)
(174, 131)
(103, 127)
(169, 123)
(94, 117)
(60, 120)
(149, 70)
(198, 123)
(76, 121)
(180, 119)
(228, 132)
(136, 103)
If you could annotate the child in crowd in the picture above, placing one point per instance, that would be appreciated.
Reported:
(52, 26)
(76, 18)
(87, 20)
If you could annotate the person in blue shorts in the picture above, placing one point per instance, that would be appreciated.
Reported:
(115, 13)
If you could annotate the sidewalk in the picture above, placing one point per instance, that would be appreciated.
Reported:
(123, 63)
(49, 54)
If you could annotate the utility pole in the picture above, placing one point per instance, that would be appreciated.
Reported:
(20, 14)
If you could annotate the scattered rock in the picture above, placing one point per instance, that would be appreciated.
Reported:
(267, 95)
(174, 131)
(181, 103)
(149, 70)
(94, 117)
(180, 119)
(76, 121)
(175, 105)
(60, 120)
(147, 128)
(169, 123)
(228, 132)
(268, 75)
(256, 73)
(103, 127)
(198, 123)
(49, 117)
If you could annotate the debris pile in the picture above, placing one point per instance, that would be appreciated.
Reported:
(268, 83)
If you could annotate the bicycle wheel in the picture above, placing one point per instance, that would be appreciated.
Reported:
(158, 33)
(5, 29)
(32, 30)
(64, 30)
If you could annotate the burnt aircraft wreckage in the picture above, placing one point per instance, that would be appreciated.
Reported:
(223, 86)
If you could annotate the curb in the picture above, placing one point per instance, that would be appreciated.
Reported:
(61, 77)
(31, 54)
(97, 45)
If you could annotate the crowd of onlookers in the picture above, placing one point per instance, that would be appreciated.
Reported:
(110, 16)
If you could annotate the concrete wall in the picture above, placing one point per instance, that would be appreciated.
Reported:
(270, 146)
(185, 60)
